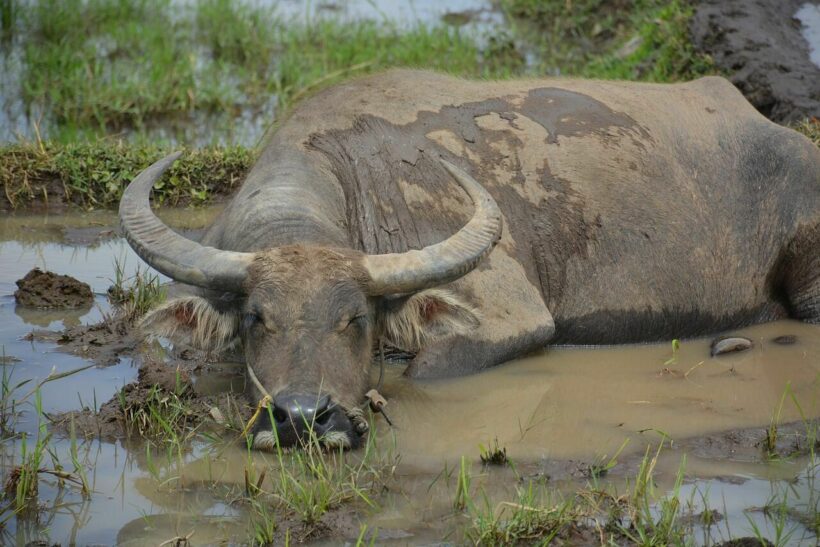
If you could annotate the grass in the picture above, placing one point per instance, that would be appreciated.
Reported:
(160, 414)
(810, 127)
(21, 486)
(295, 489)
(134, 296)
(104, 65)
(591, 515)
(622, 39)
(493, 454)
(95, 174)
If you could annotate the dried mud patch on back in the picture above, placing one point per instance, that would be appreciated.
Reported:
(39, 289)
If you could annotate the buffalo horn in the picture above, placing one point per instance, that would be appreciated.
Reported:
(447, 260)
(170, 253)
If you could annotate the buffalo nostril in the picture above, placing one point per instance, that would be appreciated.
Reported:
(323, 416)
(279, 415)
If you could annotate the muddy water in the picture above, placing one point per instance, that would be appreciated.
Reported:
(560, 403)
(556, 413)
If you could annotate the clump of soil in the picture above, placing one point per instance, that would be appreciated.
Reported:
(752, 444)
(760, 44)
(103, 342)
(155, 381)
(39, 289)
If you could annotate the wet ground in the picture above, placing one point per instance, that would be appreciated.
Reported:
(558, 414)
(769, 50)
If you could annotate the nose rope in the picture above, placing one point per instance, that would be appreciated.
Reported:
(375, 399)
(261, 405)
(356, 414)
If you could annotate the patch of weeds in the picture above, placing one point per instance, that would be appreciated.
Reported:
(777, 445)
(653, 523)
(810, 127)
(134, 296)
(493, 454)
(463, 498)
(263, 523)
(633, 40)
(301, 486)
(159, 412)
(659, 49)
(21, 486)
(591, 515)
(95, 174)
(777, 513)
(604, 464)
(529, 518)
(8, 400)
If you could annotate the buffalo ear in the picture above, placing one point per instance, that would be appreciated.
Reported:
(412, 322)
(194, 321)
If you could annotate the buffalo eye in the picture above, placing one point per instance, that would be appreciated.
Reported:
(354, 321)
(249, 320)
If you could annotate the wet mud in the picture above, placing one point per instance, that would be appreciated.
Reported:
(39, 289)
(157, 381)
(760, 45)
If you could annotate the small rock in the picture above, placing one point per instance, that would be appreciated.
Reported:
(39, 289)
(729, 344)
(785, 340)
(746, 542)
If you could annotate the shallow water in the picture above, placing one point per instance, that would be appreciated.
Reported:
(572, 406)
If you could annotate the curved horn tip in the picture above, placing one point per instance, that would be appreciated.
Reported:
(163, 249)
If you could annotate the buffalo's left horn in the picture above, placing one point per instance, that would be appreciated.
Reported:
(170, 253)
(445, 261)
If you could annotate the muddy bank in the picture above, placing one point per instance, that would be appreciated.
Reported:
(102, 343)
(39, 289)
(760, 46)
(158, 386)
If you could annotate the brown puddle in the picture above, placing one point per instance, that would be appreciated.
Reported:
(556, 413)
(571, 403)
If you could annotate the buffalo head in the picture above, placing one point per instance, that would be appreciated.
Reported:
(307, 317)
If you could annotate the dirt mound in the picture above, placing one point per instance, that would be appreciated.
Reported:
(39, 289)
(158, 386)
(760, 44)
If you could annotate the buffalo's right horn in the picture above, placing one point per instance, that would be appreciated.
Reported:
(447, 260)
(170, 253)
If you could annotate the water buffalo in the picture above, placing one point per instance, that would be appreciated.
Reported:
(615, 212)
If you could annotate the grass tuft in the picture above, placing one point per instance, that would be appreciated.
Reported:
(134, 296)
(493, 454)
(95, 174)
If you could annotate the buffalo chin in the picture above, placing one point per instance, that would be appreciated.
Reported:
(332, 440)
